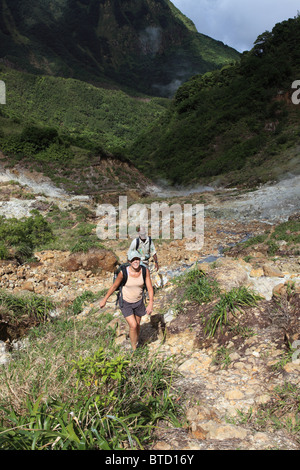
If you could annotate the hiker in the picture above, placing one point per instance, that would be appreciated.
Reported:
(131, 300)
(145, 246)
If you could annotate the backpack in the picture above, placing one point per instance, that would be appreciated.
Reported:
(138, 244)
(123, 268)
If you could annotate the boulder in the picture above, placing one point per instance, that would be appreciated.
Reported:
(28, 285)
(279, 289)
(272, 271)
(257, 272)
(231, 273)
(102, 259)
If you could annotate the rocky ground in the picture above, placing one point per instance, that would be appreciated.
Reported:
(220, 392)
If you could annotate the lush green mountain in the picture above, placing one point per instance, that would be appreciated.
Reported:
(67, 129)
(146, 45)
(78, 110)
(233, 124)
(237, 124)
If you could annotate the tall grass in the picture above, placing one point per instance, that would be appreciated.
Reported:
(228, 303)
(31, 306)
(201, 288)
(74, 389)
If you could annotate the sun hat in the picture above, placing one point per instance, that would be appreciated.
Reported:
(133, 254)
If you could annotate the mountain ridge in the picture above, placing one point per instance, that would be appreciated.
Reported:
(146, 45)
(234, 125)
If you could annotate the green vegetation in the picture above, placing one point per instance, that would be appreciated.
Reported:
(75, 116)
(229, 303)
(287, 231)
(71, 130)
(282, 240)
(203, 289)
(63, 127)
(177, 13)
(19, 237)
(222, 357)
(76, 391)
(255, 240)
(142, 46)
(86, 296)
(199, 287)
(235, 122)
(32, 306)
(72, 230)
(83, 115)
(58, 230)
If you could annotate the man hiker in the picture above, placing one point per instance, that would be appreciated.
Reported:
(145, 247)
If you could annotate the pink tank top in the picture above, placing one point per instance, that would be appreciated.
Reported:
(133, 289)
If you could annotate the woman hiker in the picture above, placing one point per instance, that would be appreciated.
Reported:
(131, 301)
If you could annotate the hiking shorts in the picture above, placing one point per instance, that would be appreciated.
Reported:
(138, 308)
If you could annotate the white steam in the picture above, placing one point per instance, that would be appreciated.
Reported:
(150, 40)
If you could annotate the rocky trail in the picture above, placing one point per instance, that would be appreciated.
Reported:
(225, 380)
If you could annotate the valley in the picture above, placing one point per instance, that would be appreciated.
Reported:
(225, 381)
(110, 99)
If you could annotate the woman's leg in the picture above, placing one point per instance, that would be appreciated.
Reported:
(134, 329)
(138, 327)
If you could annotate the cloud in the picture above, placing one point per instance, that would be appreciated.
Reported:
(237, 23)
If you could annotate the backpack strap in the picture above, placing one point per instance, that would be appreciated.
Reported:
(144, 271)
(123, 268)
(125, 275)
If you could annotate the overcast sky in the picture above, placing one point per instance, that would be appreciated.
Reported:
(237, 23)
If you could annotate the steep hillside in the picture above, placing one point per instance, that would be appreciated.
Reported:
(72, 131)
(146, 45)
(87, 114)
(235, 125)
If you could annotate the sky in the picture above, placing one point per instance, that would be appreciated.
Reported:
(237, 23)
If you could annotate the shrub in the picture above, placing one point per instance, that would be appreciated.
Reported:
(55, 153)
(4, 252)
(24, 234)
(40, 138)
(101, 375)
